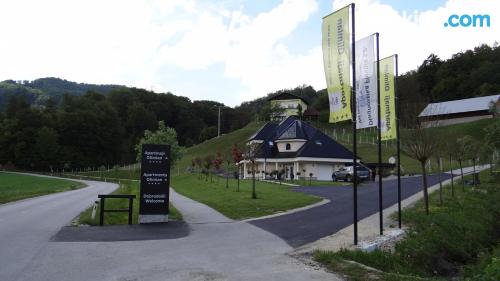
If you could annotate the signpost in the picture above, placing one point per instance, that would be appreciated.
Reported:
(155, 183)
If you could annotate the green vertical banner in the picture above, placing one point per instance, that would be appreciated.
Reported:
(387, 99)
(336, 60)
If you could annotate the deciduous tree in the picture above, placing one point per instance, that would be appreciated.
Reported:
(420, 144)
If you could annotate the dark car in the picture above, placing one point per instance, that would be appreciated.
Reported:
(346, 173)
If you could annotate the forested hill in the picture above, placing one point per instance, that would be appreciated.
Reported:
(39, 90)
(466, 74)
(101, 124)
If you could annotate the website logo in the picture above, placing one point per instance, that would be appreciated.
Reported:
(468, 21)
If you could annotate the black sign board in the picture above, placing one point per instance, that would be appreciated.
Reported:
(155, 179)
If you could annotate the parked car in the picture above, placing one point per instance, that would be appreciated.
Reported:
(347, 173)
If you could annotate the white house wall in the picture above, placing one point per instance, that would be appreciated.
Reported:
(321, 170)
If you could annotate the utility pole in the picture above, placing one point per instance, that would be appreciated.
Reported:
(218, 124)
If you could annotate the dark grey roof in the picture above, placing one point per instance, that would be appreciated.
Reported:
(288, 96)
(264, 131)
(317, 144)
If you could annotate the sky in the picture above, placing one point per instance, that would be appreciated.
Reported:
(228, 51)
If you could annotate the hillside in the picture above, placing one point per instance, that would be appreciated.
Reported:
(222, 144)
(367, 149)
(39, 90)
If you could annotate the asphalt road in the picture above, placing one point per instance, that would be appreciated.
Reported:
(310, 225)
(216, 248)
(26, 226)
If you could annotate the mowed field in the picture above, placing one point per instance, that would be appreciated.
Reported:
(271, 198)
(17, 186)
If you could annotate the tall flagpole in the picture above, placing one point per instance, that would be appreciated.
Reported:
(354, 138)
(398, 139)
(379, 133)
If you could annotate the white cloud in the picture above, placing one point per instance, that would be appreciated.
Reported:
(139, 43)
(130, 42)
(417, 34)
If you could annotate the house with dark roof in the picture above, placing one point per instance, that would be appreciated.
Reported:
(459, 111)
(295, 149)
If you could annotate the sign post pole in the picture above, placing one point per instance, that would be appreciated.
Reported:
(155, 183)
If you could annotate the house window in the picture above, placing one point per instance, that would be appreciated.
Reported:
(288, 146)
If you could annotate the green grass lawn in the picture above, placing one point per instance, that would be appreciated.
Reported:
(459, 238)
(369, 151)
(271, 198)
(126, 187)
(16, 186)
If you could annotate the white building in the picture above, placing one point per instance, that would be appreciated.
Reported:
(295, 149)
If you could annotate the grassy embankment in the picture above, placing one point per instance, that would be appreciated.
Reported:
(460, 238)
(368, 150)
(222, 144)
(16, 186)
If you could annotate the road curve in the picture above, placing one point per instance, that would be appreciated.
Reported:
(312, 224)
(26, 226)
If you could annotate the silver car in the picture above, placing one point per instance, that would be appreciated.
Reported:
(346, 173)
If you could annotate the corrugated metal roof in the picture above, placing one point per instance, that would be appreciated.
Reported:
(458, 106)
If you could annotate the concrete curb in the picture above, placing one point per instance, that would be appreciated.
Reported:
(282, 183)
(322, 202)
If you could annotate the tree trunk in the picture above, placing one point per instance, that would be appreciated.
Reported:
(227, 181)
(462, 174)
(452, 179)
(440, 183)
(426, 195)
(238, 188)
(254, 196)
(491, 166)
(474, 172)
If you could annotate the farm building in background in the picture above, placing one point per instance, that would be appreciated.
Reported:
(460, 111)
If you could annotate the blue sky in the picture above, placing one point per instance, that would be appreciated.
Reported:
(228, 51)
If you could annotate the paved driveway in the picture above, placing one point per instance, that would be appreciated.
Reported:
(26, 226)
(307, 226)
(216, 248)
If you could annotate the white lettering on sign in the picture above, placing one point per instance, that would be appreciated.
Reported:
(155, 178)
(155, 156)
(155, 198)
